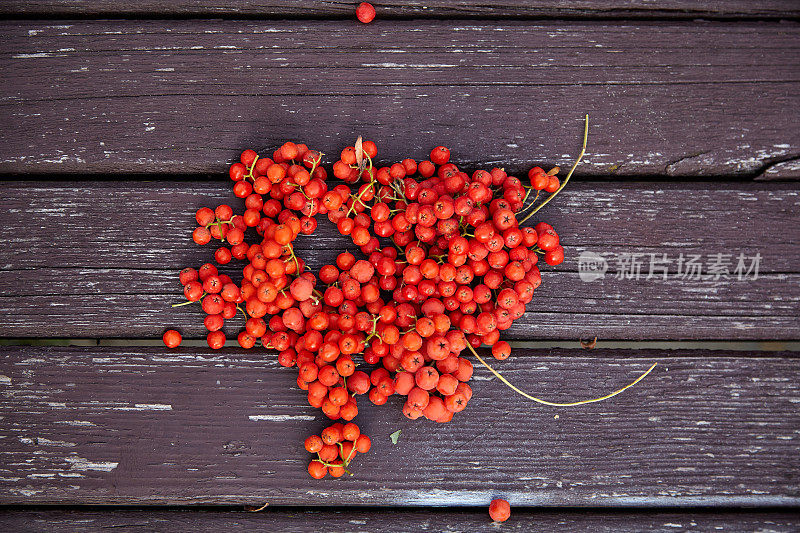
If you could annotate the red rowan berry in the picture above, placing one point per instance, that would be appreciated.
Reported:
(501, 350)
(363, 444)
(440, 155)
(317, 470)
(172, 339)
(351, 432)
(313, 444)
(366, 14)
(337, 470)
(216, 340)
(331, 435)
(499, 510)
(329, 452)
(554, 256)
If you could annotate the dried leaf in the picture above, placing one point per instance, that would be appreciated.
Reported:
(588, 345)
(359, 151)
(395, 436)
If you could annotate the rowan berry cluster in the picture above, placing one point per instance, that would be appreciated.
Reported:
(446, 265)
(336, 447)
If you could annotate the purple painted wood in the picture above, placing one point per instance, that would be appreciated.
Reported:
(784, 170)
(187, 96)
(399, 521)
(97, 259)
(100, 259)
(430, 8)
(151, 426)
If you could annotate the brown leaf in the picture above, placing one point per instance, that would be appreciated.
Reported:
(359, 151)
(589, 345)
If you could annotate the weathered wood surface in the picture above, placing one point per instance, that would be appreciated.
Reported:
(99, 259)
(784, 170)
(681, 9)
(399, 521)
(186, 96)
(148, 426)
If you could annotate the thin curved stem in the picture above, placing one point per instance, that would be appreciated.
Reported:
(260, 508)
(555, 404)
(569, 175)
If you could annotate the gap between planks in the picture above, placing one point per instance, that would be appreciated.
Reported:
(398, 10)
(735, 346)
(394, 519)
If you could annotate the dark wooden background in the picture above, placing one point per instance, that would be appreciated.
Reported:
(119, 119)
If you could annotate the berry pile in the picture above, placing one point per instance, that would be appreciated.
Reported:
(445, 266)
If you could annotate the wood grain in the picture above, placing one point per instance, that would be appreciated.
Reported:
(399, 521)
(789, 169)
(680, 9)
(99, 259)
(148, 426)
(182, 96)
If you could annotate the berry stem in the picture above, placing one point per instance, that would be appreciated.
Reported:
(250, 170)
(566, 180)
(357, 199)
(260, 508)
(187, 303)
(554, 404)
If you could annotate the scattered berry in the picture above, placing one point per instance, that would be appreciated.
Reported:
(365, 13)
(499, 510)
(172, 338)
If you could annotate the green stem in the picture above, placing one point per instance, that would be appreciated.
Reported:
(187, 303)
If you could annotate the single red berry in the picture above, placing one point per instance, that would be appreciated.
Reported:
(247, 157)
(366, 14)
(204, 216)
(555, 256)
(501, 350)
(187, 275)
(499, 510)
(440, 155)
(552, 184)
(313, 444)
(351, 432)
(363, 444)
(172, 338)
(317, 470)
(216, 340)
(237, 172)
(201, 235)
(193, 291)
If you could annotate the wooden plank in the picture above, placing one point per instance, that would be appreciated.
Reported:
(186, 96)
(147, 426)
(399, 521)
(99, 259)
(783, 170)
(681, 9)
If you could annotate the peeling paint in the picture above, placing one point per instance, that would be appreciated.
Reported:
(79, 463)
